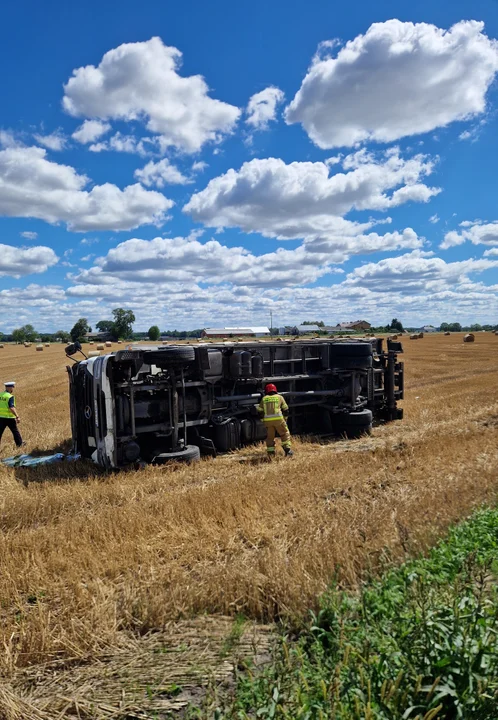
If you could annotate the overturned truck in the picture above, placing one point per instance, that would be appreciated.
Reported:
(156, 404)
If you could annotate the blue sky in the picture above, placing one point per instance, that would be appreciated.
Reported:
(207, 163)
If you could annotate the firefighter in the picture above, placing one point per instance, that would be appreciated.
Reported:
(273, 410)
(8, 413)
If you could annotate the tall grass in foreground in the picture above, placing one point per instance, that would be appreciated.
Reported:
(421, 642)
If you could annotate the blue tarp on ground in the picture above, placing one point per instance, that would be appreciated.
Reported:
(30, 461)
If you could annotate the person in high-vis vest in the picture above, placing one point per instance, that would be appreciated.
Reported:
(273, 410)
(8, 413)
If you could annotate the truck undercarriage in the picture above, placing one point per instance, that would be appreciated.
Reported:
(155, 404)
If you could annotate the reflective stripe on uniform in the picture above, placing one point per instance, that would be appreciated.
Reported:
(5, 411)
(271, 406)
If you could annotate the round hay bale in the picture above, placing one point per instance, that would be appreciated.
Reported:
(94, 353)
(413, 337)
(91, 342)
(165, 342)
(421, 335)
(47, 344)
(1, 346)
(39, 348)
(393, 337)
(120, 342)
(447, 332)
(100, 347)
(469, 337)
(108, 344)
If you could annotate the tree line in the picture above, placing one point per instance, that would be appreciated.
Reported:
(121, 328)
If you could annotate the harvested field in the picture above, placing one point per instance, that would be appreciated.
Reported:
(90, 559)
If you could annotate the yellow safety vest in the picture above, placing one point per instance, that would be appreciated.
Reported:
(271, 407)
(5, 411)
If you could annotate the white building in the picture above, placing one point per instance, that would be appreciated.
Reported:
(305, 329)
(228, 332)
(428, 329)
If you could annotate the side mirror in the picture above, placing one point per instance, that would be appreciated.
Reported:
(73, 348)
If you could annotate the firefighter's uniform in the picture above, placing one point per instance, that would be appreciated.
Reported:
(272, 409)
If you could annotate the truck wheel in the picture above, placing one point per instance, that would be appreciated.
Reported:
(348, 362)
(170, 356)
(188, 455)
(351, 355)
(350, 349)
(354, 424)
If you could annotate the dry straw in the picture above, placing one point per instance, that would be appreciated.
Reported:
(89, 558)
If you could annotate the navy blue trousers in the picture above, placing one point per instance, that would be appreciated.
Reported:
(11, 423)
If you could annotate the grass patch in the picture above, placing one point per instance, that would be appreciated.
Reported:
(421, 642)
(233, 638)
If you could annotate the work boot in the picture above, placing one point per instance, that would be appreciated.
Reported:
(288, 452)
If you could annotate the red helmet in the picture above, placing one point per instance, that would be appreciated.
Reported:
(270, 388)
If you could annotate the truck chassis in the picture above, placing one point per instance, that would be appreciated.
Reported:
(156, 404)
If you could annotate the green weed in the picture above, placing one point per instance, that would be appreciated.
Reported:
(420, 643)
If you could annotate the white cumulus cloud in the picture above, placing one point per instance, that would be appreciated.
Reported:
(56, 141)
(199, 166)
(417, 272)
(302, 199)
(477, 233)
(140, 81)
(32, 186)
(396, 80)
(126, 144)
(160, 173)
(180, 259)
(262, 107)
(19, 261)
(90, 131)
(29, 235)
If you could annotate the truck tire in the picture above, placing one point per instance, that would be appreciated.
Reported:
(170, 356)
(354, 424)
(348, 362)
(358, 349)
(189, 454)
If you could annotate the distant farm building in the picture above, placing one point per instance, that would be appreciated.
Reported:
(355, 325)
(336, 329)
(229, 332)
(306, 329)
(428, 329)
(345, 327)
(98, 336)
